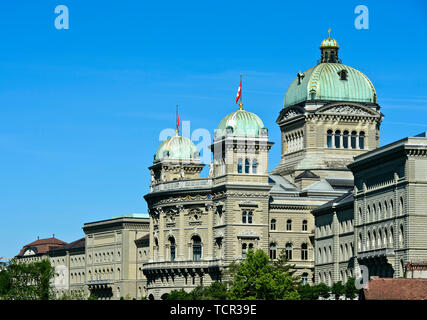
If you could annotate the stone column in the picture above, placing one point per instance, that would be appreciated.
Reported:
(210, 231)
(161, 235)
(180, 242)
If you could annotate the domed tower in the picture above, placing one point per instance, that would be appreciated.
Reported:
(240, 184)
(330, 114)
(176, 158)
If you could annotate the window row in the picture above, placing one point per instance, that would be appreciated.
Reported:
(289, 251)
(247, 165)
(345, 140)
(104, 274)
(380, 238)
(77, 277)
(171, 248)
(375, 212)
(325, 254)
(273, 225)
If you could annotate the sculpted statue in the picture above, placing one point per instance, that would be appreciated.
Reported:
(182, 173)
(210, 170)
(163, 175)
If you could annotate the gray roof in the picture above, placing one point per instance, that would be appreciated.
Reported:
(281, 184)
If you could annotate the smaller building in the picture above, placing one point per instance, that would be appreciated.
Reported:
(37, 250)
(395, 289)
(115, 252)
(334, 236)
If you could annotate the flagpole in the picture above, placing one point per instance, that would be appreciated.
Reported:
(241, 104)
(177, 121)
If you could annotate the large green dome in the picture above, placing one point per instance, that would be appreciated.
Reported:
(325, 82)
(177, 148)
(241, 123)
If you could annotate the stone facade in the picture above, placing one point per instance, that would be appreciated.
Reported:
(386, 217)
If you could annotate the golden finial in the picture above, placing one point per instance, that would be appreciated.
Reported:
(329, 31)
(240, 106)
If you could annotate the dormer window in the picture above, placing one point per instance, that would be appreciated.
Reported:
(300, 77)
(343, 74)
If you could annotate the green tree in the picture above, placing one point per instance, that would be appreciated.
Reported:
(324, 290)
(337, 289)
(350, 290)
(178, 295)
(27, 281)
(308, 292)
(257, 278)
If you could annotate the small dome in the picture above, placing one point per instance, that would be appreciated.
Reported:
(329, 43)
(241, 123)
(177, 148)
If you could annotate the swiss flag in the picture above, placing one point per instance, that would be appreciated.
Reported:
(239, 91)
(177, 119)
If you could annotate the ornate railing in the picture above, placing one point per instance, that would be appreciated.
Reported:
(183, 184)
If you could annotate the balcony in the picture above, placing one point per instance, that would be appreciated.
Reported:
(184, 265)
(376, 253)
(182, 185)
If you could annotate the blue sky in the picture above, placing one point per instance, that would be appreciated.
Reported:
(81, 109)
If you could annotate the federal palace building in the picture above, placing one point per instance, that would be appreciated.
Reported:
(336, 201)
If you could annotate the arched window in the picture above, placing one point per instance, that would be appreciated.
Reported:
(272, 251)
(304, 251)
(360, 216)
(337, 139)
(380, 212)
(380, 239)
(345, 139)
(244, 249)
(374, 239)
(304, 225)
(368, 241)
(289, 225)
(374, 212)
(244, 216)
(329, 139)
(254, 166)
(320, 256)
(361, 140)
(385, 238)
(359, 245)
(304, 278)
(250, 216)
(239, 165)
(401, 235)
(386, 213)
(391, 237)
(247, 165)
(172, 248)
(273, 224)
(353, 139)
(197, 248)
(401, 206)
(391, 208)
(369, 214)
(288, 251)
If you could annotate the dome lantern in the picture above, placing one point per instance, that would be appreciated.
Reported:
(329, 50)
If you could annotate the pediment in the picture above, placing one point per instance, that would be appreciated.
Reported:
(348, 109)
(290, 113)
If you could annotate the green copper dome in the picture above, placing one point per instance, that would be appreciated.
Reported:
(177, 148)
(330, 81)
(241, 123)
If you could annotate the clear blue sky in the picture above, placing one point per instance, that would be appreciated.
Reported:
(81, 109)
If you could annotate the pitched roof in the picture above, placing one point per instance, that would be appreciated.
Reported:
(341, 200)
(42, 245)
(78, 244)
(307, 174)
(396, 289)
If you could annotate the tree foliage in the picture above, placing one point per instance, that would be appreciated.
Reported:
(27, 281)
(257, 278)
